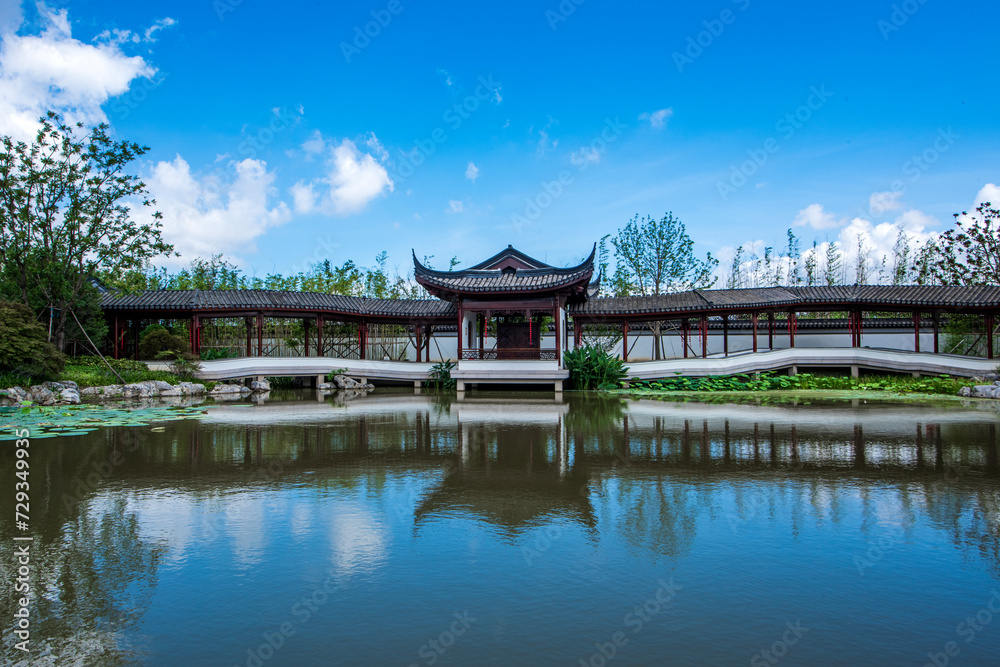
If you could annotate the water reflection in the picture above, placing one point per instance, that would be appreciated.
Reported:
(562, 488)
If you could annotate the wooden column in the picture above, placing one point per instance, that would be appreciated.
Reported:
(555, 318)
(791, 329)
(725, 335)
(363, 340)
(577, 333)
(753, 321)
(482, 333)
(260, 334)
(770, 331)
(246, 323)
(196, 341)
(624, 340)
(684, 336)
(935, 320)
(704, 336)
(990, 325)
(916, 331)
(319, 336)
(461, 322)
(417, 331)
(859, 319)
(305, 330)
(116, 336)
(135, 339)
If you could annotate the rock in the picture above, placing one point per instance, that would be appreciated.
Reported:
(173, 391)
(40, 395)
(965, 392)
(261, 387)
(69, 396)
(326, 386)
(984, 391)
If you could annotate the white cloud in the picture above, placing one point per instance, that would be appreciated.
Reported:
(657, 119)
(814, 216)
(303, 197)
(352, 181)
(455, 206)
(52, 70)
(209, 215)
(472, 172)
(880, 202)
(585, 156)
(156, 27)
(989, 193)
(314, 145)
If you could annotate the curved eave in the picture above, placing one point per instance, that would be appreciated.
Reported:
(421, 270)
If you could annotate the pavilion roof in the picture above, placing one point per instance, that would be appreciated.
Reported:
(507, 273)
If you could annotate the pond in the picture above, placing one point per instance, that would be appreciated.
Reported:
(514, 529)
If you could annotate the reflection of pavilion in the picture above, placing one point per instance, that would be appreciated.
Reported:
(513, 467)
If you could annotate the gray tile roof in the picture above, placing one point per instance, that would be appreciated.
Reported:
(694, 303)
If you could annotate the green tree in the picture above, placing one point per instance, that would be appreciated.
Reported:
(24, 345)
(657, 257)
(969, 253)
(65, 214)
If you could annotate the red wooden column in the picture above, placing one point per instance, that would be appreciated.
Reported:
(555, 318)
(935, 318)
(704, 336)
(858, 325)
(481, 318)
(624, 340)
(990, 325)
(916, 331)
(725, 335)
(196, 341)
(116, 335)
(246, 323)
(417, 331)
(305, 329)
(461, 322)
(753, 320)
(792, 325)
(260, 334)
(770, 331)
(319, 335)
(684, 336)
(363, 340)
(577, 333)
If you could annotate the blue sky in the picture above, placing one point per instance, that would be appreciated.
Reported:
(279, 136)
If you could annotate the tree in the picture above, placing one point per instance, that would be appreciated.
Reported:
(657, 257)
(969, 254)
(65, 214)
(24, 348)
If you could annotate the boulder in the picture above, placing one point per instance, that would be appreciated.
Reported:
(40, 395)
(965, 392)
(984, 391)
(261, 387)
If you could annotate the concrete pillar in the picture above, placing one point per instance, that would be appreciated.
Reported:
(855, 372)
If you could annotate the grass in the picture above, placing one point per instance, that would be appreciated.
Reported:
(898, 384)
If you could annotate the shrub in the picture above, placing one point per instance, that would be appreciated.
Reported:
(160, 340)
(441, 375)
(24, 346)
(591, 367)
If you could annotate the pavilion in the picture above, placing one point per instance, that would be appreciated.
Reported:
(510, 318)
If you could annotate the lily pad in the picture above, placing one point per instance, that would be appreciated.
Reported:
(83, 419)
